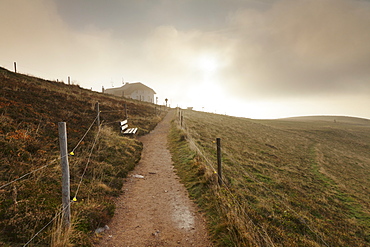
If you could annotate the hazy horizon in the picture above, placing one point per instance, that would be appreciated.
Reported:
(248, 58)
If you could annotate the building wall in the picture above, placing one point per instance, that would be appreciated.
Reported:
(143, 95)
(139, 94)
(115, 92)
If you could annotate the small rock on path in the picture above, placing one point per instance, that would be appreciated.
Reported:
(155, 210)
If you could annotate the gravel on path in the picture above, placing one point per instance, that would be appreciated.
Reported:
(155, 209)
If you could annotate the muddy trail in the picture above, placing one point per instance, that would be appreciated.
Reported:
(155, 209)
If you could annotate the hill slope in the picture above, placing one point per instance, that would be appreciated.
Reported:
(333, 119)
(30, 109)
(289, 182)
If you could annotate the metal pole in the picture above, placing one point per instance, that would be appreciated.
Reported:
(219, 164)
(15, 67)
(65, 174)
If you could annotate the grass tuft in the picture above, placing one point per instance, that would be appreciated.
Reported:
(290, 182)
(30, 109)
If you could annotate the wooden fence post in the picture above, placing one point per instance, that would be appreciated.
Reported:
(15, 67)
(182, 119)
(219, 163)
(98, 114)
(65, 174)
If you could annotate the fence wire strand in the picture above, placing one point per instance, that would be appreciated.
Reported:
(112, 111)
(29, 173)
(95, 140)
(87, 163)
(264, 236)
(209, 163)
(275, 195)
(44, 227)
(87, 131)
(51, 162)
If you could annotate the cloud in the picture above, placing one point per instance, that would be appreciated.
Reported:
(287, 49)
(173, 58)
(34, 35)
(302, 47)
(257, 52)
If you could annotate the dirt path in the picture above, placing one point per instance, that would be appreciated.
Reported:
(155, 210)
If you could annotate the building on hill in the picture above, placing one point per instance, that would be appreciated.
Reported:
(135, 90)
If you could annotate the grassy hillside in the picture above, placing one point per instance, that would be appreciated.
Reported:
(30, 109)
(289, 182)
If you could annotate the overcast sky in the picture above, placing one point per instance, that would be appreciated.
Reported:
(250, 58)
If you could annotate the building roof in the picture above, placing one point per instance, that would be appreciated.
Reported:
(128, 88)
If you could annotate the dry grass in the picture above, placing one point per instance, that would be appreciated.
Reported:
(61, 235)
(30, 109)
(291, 182)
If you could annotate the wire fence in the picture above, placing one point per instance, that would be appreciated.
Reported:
(29, 173)
(87, 163)
(261, 231)
(71, 153)
(25, 68)
(52, 162)
(278, 198)
(263, 234)
(259, 228)
(45, 226)
(81, 178)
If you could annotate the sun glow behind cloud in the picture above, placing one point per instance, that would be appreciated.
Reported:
(208, 92)
(258, 62)
(208, 63)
